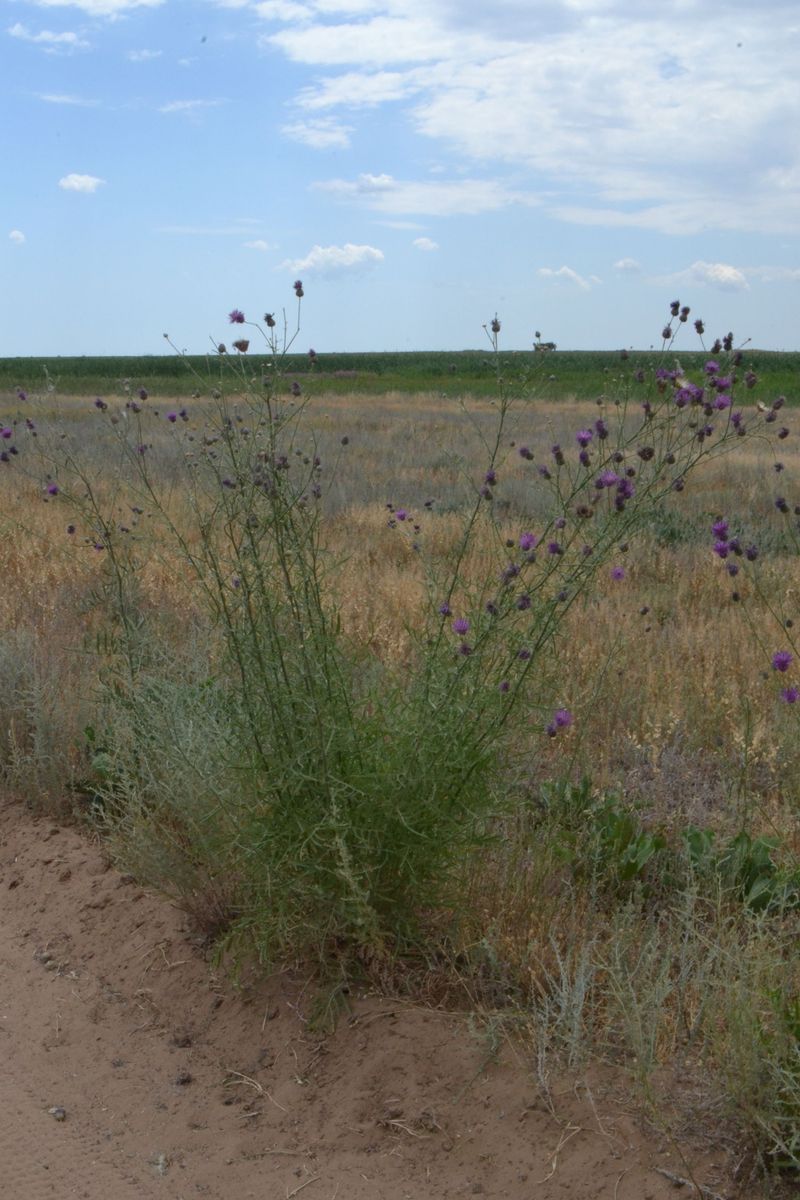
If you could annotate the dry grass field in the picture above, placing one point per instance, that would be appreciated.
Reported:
(592, 922)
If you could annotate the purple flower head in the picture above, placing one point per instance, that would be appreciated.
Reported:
(711, 367)
(445, 609)
(101, 404)
(401, 514)
(606, 480)
(52, 489)
(544, 472)
(70, 529)
(510, 572)
(583, 437)
(526, 453)
(524, 654)
(142, 393)
(464, 649)
(298, 288)
(236, 317)
(490, 477)
(461, 626)
(560, 522)
(172, 417)
(751, 553)
(721, 549)
(504, 686)
(720, 529)
(558, 454)
(585, 459)
(782, 660)
(554, 548)
(790, 695)
(523, 602)
(562, 719)
(21, 395)
(6, 433)
(617, 573)
(601, 429)
(528, 541)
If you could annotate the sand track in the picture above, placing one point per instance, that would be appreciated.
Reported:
(174, 1085)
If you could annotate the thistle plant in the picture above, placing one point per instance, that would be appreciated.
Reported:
(291, 790)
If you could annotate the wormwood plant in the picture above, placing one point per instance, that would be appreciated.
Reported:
(295, 793)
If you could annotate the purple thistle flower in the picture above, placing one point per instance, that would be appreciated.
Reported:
(583, 437)
(554, 548)
(464, 649)
(544, 472)
(606, 480)
(526, 453)
(101, 404)
(585, 459)
(563, 718)
(236, 317)
(617, 573)
(720, 529)
(528, 541)
(601, 428)
(782, 660)
(444, 609)
(6, 433)
(172, 417)
(142, 393)
(461, 626)
(490, 477)
(524, 654)
(751, 553)
(298, 288)
(790, 695)
(510, 572)
(711, 367)
(70, 529)
(21, 395)
(721, 549)
(401, 514)
(52, 489)
(523, 602)
(504, 686)
(732, 568)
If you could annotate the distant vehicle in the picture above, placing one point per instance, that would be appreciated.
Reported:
(544, 346)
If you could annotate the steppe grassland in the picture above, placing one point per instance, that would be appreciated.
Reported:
(667, 675)
(686, 710)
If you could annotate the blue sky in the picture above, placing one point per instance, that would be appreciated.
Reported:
(573, 165)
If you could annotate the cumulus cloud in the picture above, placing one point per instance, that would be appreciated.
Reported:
(258, 244)
(393, 196)
(80, 183)
(322, 134)
(627, 266)
(719, 275)
(425, 243)
(17, 237)
(570, 276)
(335, 260)
(139, 56)
(51, 43)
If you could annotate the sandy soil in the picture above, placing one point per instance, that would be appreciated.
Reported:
(128, 1070)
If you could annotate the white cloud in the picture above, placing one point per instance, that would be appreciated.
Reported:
(388, 195)
(59, 98)
(567, 273)
(100, 8)
(139, 56)
(425, 243)
(322, 134)
(282, 10)
(335, 260)
(628, 266)
(773, 274)
(258, 244)
(80, 183)
(189, 108)
(719, 275)
(52, 43)
(691, 140)
(17, 237)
